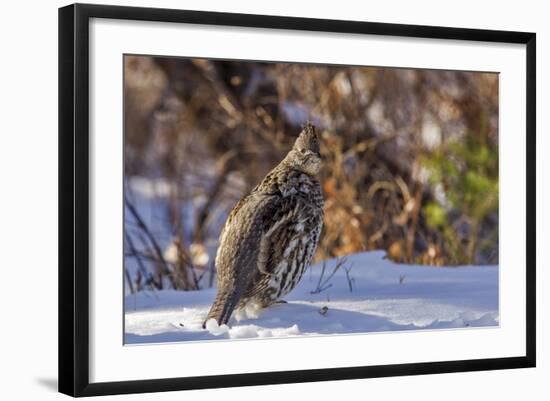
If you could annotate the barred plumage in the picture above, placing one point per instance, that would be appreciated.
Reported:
(271, 234)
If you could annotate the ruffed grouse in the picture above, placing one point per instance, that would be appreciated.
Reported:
(271, 234)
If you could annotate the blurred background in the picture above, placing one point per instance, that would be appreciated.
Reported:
(410, 160)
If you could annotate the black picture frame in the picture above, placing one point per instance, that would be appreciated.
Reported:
(74, 198)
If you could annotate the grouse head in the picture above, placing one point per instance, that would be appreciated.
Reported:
(305, 154)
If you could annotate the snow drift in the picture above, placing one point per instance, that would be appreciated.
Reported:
(366, 293)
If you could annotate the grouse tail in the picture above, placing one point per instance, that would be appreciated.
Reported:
(222, 308)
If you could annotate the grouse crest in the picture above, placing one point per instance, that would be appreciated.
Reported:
(270, 236)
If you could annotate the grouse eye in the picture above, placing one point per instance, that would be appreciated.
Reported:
(302, 151)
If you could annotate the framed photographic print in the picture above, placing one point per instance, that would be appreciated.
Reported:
(312, 199)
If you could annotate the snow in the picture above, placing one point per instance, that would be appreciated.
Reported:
(368, 293)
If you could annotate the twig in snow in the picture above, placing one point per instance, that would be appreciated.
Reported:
(133, 211)
(129, 280)
(324, 282)
(351, 280)
(212, 271)
(142, 270)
